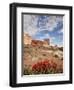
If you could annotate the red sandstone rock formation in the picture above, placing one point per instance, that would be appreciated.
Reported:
(29, 41)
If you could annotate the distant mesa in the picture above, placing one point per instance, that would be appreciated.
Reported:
(29, 41)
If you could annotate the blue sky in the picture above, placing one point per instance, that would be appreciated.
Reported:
(44, 26)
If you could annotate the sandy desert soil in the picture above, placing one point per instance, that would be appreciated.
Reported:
(32, 55)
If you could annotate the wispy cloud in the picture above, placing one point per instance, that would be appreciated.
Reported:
(60, 31)
(30, 22)
(48, 23)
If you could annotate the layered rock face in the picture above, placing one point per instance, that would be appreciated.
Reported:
(46, 42)
(29, 41)
(36, 43)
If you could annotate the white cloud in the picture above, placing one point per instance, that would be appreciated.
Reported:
(30, 24)
(48, 36)
(61, 31)
(53, 22)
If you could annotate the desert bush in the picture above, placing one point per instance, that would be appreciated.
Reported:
(61, 48)
(44, 67)
(56, 56)
(27, 71)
